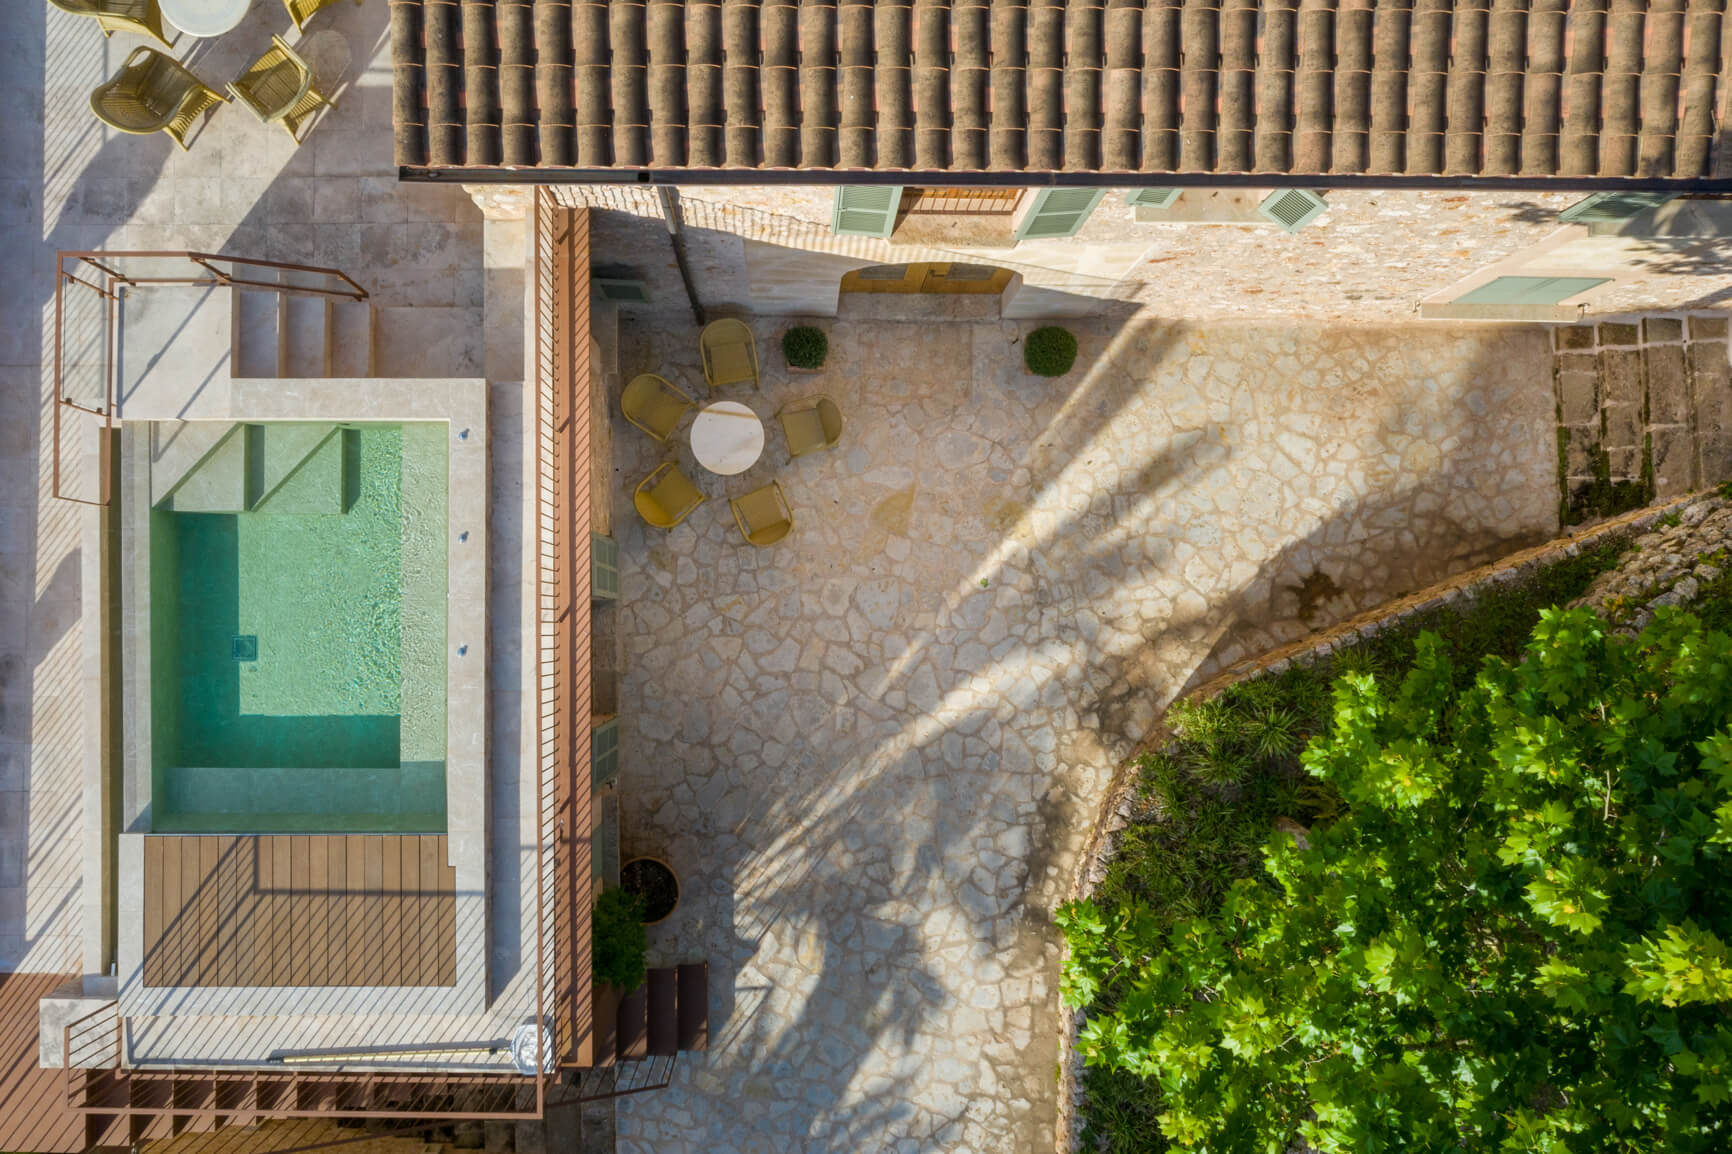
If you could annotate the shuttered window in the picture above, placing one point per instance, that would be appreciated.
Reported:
(603, 568)
(1603, 207)
(1058, 212)
(1530, 290)
(1293, 208)
(1152, 197)
(866, 209)
(604, 753)
(604, 843)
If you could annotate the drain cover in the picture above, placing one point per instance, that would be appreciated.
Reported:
(245, 647)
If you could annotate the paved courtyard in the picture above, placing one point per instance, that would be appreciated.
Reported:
(873, 750)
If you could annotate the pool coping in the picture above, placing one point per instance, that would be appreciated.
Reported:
(461, 403)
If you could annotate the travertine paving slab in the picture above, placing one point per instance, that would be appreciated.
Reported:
(872, 751)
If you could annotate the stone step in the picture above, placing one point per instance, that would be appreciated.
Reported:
(351, 340)
(179, 447)
(218, 483)
(255, 340)
(314, 468)
(306, 326)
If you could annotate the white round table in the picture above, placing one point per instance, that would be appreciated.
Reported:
(203, 18)
(727, 438)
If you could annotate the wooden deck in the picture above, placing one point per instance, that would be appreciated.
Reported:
(358, 910)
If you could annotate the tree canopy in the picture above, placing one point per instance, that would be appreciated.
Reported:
(1514, 937)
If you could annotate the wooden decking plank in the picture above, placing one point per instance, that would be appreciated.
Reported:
(209, 898)
(300, 920)
(223, 931)
(243, 936)
(316, 900)
(427, 909)
(168, 951)
(373, 964)
(410, 906)
(186, 941)
(448, 916)
(336, 911)
(355, 913)
(264, 916)
(153, 911)
(391, 913)
(282, 923)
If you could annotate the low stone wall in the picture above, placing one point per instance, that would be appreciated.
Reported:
(1115, 811)
(1671, 566)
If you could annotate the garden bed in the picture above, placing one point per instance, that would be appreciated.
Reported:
(1194, 810)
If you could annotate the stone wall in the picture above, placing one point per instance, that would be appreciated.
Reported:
(1672, 564)
(1373, 257)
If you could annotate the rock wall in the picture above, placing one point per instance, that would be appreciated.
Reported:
(1682, 557)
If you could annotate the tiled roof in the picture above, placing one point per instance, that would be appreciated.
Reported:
(1593, 88)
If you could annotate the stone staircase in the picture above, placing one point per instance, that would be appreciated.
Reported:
(283, 333)
(1644, 410)
(220, 467)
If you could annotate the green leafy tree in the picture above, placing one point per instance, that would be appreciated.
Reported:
(1516, 937)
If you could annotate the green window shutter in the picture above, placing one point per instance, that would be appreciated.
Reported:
(1603, 207)
(604, 844)
(1152, 197)
(617, 291)
(1058, 212)
(1530, 290)
(866, 209)
(1293, 208)
(603, 568)
(604, 753)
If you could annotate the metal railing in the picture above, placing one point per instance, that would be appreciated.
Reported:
(87, 298)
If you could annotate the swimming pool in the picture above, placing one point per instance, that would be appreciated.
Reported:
(297, 623)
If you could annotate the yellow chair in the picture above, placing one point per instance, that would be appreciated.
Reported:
(655, 405)
(141, 16)
(153, 93)
(665, 497)
(811, 424)
(301, 11)
(730, 353)
(279, 88)
(763, 515)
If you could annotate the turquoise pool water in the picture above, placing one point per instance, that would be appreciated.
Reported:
(298, 581)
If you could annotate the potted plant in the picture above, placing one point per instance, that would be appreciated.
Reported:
(1049, 351)
(804, 347)
(655, 884)
(617, 941)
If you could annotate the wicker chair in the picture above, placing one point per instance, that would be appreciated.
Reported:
(666, 497)
(301, 11)
(730, 353)
(763, 515)
(810, 425)
(279, 87)
(655, 405)
(153, 93)
(140, 16)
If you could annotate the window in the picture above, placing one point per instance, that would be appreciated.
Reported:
(1530, 290)
(866, 210)
(1152, 197)
(1058, 212)
(1605, 207)
(603, 568)
(604, 753)
(620, 291)
(1293, 208)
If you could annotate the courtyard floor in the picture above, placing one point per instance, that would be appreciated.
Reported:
(873, 750)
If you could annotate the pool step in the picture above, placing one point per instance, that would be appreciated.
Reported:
(296, 469)
(276, 333)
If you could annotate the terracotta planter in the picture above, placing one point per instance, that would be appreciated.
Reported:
(661, 877)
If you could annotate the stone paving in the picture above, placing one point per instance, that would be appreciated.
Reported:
(872, 751)
(245, 187)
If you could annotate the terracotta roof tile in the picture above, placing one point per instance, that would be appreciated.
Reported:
(1612, 88)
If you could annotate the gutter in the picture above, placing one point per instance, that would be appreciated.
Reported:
(819, 177)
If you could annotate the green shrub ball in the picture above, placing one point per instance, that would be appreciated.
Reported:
(1049, 352)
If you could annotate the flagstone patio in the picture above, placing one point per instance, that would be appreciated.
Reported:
(872, 751)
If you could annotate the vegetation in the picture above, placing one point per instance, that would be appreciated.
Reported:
(805, 347)
(618, 942)
(1190, 840)
(1515, 936)
(1602, 496)
(1049, 351)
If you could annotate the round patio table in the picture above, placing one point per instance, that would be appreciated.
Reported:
(727, 438)
(204, 18)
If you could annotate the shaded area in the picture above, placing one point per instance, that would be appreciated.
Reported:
(33, 1112)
